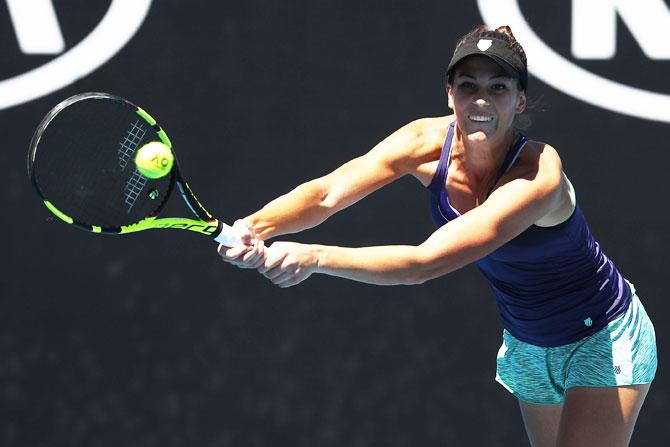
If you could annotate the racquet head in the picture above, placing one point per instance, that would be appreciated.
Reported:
(81, 163)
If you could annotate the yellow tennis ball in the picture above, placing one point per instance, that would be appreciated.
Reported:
(154, 160)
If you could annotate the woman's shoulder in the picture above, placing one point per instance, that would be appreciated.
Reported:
(431, 131)
(542, 164)
(428, 135)
(536, 153)
(538, 145)
(539, 162)
(432, 123)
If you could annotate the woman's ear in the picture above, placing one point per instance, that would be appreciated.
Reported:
(450, 98)
(521, 106)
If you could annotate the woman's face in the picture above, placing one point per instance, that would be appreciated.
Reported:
(485, 99)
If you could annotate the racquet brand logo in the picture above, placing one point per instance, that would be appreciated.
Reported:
(38, 32)
(204, 229)
(593, 36)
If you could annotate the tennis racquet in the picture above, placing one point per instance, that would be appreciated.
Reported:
(81, 163)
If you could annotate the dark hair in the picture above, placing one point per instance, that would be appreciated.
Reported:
(503, 33)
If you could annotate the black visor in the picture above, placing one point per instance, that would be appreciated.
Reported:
(497, 49)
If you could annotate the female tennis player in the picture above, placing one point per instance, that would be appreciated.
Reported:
(578, 349)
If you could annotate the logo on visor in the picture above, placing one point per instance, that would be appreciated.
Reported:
(593, 36)
(38, 33)
(484, 44)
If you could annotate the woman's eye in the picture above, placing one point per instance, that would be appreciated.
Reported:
(499, 87)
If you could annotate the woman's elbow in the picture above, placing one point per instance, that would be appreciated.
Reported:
(424, 267)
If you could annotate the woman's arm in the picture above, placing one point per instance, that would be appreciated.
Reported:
(510, 209)
(306, 206)
(314, 201)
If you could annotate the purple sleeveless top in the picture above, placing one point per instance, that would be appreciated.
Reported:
(553, 285)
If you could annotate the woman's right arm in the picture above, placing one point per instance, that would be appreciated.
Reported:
(313, 202)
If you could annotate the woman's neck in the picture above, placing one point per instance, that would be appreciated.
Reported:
(481, 159)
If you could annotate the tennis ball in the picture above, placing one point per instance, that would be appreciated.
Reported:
(154, 160)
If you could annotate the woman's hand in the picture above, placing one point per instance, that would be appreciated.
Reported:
(289, 263)
(249, 255)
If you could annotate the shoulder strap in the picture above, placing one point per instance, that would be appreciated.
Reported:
(510, 158)
(437, 183)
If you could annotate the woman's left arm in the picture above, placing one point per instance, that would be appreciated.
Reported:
(534, 192)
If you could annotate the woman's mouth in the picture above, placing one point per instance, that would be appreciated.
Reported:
(480, 118)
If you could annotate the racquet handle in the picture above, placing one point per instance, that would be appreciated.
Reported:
(228, 236)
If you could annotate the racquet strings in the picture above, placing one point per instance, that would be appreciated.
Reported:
(84, 164)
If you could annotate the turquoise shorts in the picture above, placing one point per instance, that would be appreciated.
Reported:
(622, 353)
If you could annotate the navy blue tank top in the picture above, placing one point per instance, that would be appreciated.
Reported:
(553, 285)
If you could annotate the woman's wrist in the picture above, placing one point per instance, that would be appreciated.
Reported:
(318, 254)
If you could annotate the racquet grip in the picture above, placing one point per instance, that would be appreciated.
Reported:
(228, 236)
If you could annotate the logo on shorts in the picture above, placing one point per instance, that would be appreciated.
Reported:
(617, 369)
(593, 36)
(38, 32)
(588, 322)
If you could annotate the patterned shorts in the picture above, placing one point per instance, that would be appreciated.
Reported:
(622, 353)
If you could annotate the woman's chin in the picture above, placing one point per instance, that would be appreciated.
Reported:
(477, 136)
